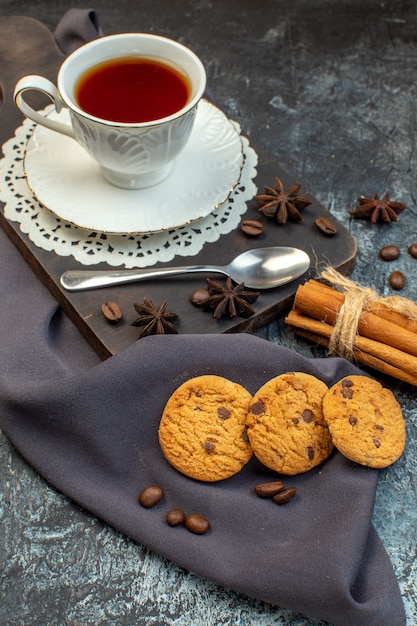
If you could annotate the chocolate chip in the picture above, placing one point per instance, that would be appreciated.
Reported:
(285, 496)
(252, 228)
(347, 391)
(412, 249)
(295, 420)
(197, 524)
(175, 517)
(397, 280)
(376, 441)
(310, 453)
(258, 408)
(389, 253)
(223, 413)
(209, 446)
(353, 420)
(244, 436)
(307, 416)
(269, 490)
(326, 226)
(150, 496)
(379, 427)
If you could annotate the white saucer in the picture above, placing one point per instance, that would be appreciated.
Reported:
(64, 178)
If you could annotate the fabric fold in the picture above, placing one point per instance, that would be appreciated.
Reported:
(77, 26)
(93, 436)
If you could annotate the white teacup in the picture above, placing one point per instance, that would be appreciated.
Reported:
(134, 154)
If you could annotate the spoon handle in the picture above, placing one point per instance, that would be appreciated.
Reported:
(78, 280)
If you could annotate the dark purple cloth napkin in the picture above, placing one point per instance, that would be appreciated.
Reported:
(90, 429)
(78, 26)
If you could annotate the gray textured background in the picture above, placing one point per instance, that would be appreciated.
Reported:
(329, 88)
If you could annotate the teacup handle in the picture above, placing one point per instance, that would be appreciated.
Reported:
(38, 83)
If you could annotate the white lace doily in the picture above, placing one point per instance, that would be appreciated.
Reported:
(89, 248)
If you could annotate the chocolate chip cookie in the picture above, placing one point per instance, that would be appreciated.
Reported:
(202, 431)
(286, 426)
(365, 421)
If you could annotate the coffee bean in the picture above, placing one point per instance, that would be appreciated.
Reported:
(199, 297)
(197, 524)
(413, 250)
(397, 280)
(389, 253)
(285, 496)
(175, 517)
(269, 490)
(326, 226)
(253, 228)
(112, 312)
(150, 496)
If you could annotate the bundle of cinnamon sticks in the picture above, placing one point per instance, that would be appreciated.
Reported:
(384, 339)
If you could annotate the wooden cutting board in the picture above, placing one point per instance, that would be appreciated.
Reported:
(27, 46)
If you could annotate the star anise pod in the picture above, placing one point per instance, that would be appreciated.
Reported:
(377, 209)
(280, 204)
(155, 320)
(229, 299)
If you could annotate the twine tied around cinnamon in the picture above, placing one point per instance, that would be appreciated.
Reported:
(357, 299)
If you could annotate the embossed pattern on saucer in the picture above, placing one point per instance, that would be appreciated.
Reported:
(64, 178)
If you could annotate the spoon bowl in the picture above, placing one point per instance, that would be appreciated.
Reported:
(259, 268)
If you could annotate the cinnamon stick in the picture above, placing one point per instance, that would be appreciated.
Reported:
(363, 358)
(324, 303)
(375, 352)
(377, 308)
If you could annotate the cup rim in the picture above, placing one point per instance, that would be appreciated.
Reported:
(73, 106)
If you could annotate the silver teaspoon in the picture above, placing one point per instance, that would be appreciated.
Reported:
(260, 268)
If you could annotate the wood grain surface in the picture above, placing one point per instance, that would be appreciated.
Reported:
(38, 53)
